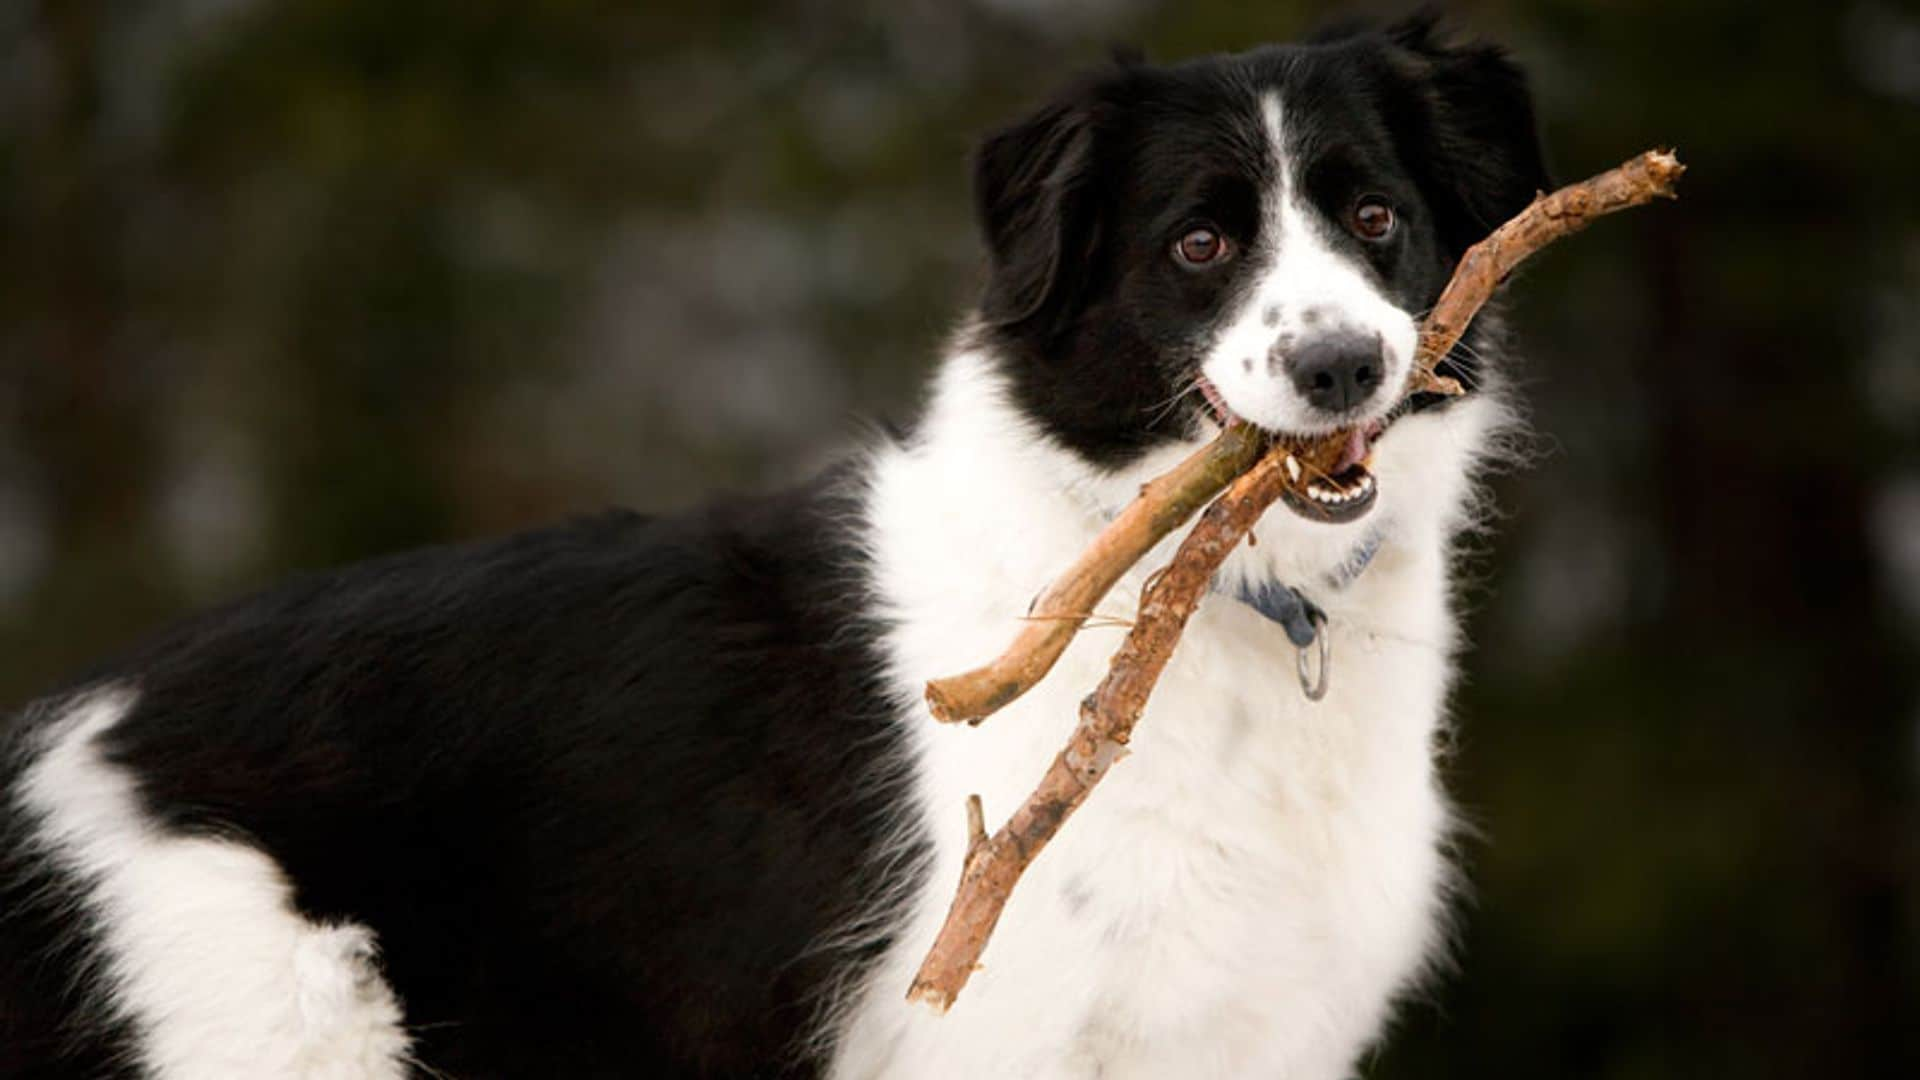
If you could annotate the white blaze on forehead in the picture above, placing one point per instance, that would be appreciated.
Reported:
(1306, 287)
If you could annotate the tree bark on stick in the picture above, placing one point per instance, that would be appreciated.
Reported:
(994, 864)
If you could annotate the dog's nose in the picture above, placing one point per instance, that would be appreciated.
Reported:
(1338, 372)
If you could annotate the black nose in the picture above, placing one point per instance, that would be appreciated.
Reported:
(1339, 372)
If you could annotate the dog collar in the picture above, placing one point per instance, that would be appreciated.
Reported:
(1356, 562)
(1302, 619)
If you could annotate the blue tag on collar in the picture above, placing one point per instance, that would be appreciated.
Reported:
(1286, 606)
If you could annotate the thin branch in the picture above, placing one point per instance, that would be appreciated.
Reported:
(1486, 264)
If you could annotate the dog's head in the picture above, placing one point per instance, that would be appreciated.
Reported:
(1252, 235)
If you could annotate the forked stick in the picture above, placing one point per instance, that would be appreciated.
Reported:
(1167, 501)
(1107, 716)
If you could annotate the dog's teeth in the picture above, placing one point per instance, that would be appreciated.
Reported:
(1335, 495)
(1293, 469)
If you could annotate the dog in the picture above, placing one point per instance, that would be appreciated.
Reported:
(659, 795)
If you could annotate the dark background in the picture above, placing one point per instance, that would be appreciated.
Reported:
(286, 283)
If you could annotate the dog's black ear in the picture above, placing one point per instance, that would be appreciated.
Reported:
(1029, 190)
(1478, 147)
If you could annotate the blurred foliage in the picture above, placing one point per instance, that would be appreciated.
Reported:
(292, 282)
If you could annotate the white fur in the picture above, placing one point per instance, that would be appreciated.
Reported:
(1304, 282)
(1246, 892)
(201, 948)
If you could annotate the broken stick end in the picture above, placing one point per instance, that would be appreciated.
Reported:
(931, 996)
(976, 828)
(1664, 168)
(957, 698)
(973, 696)
(939, 703)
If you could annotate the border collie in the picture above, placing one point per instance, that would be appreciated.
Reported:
(659, 796)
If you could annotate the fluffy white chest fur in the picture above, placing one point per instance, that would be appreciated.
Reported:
(1247, 891)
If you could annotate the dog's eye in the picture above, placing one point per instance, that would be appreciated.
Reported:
(1372, 218)
(1200, 247)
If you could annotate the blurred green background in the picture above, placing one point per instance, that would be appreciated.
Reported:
(292, 282)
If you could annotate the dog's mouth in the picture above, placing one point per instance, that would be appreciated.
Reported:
(1329, 477)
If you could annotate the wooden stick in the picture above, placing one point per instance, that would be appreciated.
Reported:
(993, 864)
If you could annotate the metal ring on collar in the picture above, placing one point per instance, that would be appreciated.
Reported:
(1315, 687)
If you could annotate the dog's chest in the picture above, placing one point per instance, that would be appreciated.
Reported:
(1243, 892)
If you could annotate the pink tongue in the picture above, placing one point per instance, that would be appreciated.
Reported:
(1353, 453)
